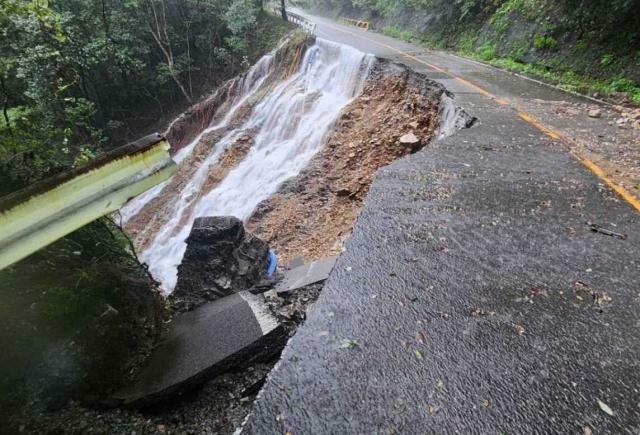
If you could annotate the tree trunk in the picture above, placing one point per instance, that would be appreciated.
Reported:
(5, 105)
(283, 10)
(158, 30)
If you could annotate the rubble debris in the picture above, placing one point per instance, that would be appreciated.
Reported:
(409, 139)
(307, 274)
(220, 259)
(291, 308)
(312, 214)
(229, 333)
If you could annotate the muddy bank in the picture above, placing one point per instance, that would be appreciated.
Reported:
(313, 214)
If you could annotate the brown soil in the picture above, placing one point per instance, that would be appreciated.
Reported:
(314, 213)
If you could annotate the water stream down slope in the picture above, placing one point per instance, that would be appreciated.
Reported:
(287, 122)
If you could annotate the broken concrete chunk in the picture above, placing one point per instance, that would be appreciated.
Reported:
(226, 334)
(220, 259)
(409, 139)
(304, 275)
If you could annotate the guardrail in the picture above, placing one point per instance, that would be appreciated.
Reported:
(357, 23)
(296, 19)
(301, 22)
(46, 211)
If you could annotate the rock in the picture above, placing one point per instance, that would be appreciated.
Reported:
(409, 139)
(414, 124)
(343, 192)
(635, 114)
(227, 334)
(220, 260)
(595, 113)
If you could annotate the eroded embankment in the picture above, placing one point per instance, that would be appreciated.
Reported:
(194, 133)
(313, 214)
(268, 131)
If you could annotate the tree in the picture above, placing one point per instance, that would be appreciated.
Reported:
(158, 27)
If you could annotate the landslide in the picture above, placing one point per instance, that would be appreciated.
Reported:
(313, 214)
(145, 224)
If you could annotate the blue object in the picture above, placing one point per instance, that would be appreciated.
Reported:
(273, 262)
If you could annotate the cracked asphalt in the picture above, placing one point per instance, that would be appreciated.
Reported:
(473, 296)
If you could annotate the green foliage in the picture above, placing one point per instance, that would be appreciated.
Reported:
(607, 60)
(87, 76)
(398, 33)
(467, 42)
(241, 17)
(572, 81)
(544, 42)
(486, 51)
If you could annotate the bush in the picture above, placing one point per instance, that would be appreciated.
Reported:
(487, 51)
(542, 43)
(398, 33)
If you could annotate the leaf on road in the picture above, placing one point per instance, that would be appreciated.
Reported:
(605, 407)
(348, 343)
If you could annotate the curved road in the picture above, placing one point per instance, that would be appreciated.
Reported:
(473, 296)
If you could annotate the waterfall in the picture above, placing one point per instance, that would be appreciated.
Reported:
(288, 126)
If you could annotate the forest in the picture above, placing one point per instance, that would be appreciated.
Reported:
(78, 77)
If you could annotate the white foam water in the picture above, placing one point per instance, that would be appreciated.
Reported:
(291, 123)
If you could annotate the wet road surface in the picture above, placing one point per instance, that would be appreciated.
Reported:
(473, 296)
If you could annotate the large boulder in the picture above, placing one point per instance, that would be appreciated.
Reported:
(220, 259)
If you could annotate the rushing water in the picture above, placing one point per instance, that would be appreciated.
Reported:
(290, 122)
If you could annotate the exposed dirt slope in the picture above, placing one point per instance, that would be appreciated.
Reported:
(313, 213)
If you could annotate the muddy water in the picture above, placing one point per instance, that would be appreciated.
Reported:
(288, 126)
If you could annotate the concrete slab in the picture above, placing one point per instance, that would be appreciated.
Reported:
(296, 262)
(305, 275)
(203, 343)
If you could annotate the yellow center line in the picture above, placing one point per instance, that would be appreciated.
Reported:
(527, 117)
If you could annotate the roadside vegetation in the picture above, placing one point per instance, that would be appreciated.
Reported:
(591, 47)
(78, 78)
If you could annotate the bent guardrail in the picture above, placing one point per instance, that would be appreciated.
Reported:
(46, 211)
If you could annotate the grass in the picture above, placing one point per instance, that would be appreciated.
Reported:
(564, 79)
(398, 33)
(569, 80)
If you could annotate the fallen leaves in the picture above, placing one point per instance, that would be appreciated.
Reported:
(348, 343)
(604, 407)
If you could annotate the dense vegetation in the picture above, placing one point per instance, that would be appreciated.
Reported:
(585, 45)
(79, 76)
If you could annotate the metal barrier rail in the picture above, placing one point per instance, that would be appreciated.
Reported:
(301, 22)
(46, 211)
(357, 23)
(296, 19)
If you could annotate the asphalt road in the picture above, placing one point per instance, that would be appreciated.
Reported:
(472, 297)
